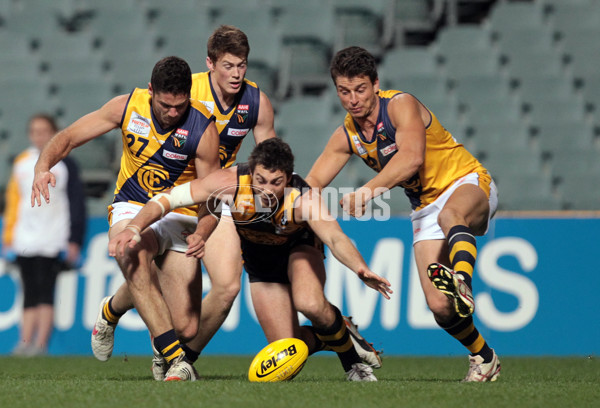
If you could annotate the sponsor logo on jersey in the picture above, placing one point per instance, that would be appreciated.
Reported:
(180, 137)
(237, 132)
(139, 124)
(222, 121)
(174, 156)
(389, 149)
(359, 147)
(242, 113)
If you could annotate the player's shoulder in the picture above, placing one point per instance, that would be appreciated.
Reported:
(201, 108)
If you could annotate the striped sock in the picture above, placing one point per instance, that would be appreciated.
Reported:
(463, 330)
(109, 314)
(168, 345)
(337, 338)
(463, 251)
(190, 354)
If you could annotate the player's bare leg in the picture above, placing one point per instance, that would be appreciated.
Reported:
(306, 272)
(273, 307)
(223, 263)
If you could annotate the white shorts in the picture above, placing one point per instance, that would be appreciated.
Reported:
(171, 231)
(424, 222)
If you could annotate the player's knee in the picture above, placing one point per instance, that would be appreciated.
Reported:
(313, 308)
(440, 307)
(227, 291)
(186, 329)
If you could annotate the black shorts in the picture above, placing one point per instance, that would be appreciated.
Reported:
(38, 275)
(269, 263)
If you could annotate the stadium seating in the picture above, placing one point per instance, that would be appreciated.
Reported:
(520, 89)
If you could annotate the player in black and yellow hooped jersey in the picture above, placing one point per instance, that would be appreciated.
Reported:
(281, 222)
(452, 195)
(167, 140)
(239, 108)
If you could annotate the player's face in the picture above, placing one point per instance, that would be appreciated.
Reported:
(168, 108)
(357, 95)
(269, 186)
(228, 73)
(40, 132)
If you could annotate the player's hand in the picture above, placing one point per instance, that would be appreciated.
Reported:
(374, 281)
(355, 203)
(128, 238)
(40, 189)
(196, 245)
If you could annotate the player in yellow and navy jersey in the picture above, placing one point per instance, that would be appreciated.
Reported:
(452, 195)
(281, 222)
(239, 108)
(167, 140)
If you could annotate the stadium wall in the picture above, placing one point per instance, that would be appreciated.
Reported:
(535, 286)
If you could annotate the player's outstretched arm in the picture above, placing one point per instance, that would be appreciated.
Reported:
(334, 157)
(314, 210)
(405, 114)
(84, 129)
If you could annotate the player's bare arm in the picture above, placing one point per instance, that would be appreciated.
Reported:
(84, 129)
(334, 157)
(313, 210)
(205, 163)
(264, 128)
(405, 113)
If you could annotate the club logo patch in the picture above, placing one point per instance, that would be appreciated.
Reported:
(179, 138)
(242, 113)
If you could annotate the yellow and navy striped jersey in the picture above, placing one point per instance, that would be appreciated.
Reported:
(155, 159)
(233, 123)
(446, 160)
(264, 225)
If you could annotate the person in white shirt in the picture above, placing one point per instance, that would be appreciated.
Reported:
(44, 239)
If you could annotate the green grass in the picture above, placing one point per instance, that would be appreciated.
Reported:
(83, 382)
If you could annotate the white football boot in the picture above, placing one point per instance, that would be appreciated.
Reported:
(103, 335)
(482, 372)
(181, 370)
(365, 350)
(361, 372)
(159, 364)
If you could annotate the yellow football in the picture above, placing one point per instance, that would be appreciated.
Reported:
(281, 360)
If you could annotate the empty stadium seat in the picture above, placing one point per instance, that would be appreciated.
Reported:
(365, 24)
(307, 33)
(408, 62)
(467, 63)
(508, 16)
(458, 38)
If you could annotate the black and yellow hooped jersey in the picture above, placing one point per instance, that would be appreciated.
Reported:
(155, 159)
(234, 123)
(263, 225)
(446, 160)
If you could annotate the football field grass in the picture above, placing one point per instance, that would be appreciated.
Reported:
(83, 382)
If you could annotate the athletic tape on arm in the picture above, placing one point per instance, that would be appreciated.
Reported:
(180, 196)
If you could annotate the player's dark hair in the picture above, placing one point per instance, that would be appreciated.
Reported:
(352, 62)
(172, 75)
(227, 39)
(47, 117)
(273, 154)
